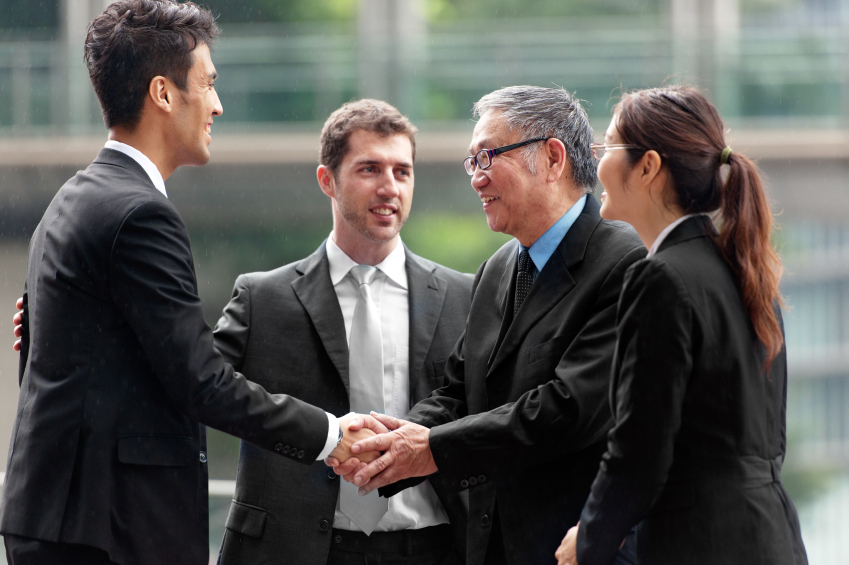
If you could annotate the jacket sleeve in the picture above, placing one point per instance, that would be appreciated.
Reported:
(233, 330)
(652, 366)
(153, 284)
(563, 416)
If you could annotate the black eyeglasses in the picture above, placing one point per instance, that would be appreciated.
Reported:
(484, 157)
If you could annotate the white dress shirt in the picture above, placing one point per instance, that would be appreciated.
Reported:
(156, 178)
(416, 507)
(666, 231)
(141, 159)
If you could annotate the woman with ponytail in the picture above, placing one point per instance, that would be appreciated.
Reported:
(699, 375)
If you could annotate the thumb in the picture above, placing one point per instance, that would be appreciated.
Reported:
(388, 421)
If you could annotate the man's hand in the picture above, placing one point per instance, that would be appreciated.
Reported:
(18, 321)
(407, 454)
(355, 427)
(565, 554)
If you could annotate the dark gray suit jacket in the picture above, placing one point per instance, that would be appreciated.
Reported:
(523, 418)
(695, 456)
(290, 318)
(117, 369)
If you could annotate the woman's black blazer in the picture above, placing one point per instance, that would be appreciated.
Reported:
(694, 459)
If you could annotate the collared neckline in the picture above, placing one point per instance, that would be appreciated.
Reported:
(141, 159)
(665, 232)
(394, 266)
(543, 248)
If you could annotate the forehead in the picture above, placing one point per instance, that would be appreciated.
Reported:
(363, 144)
(489, 131)
(202, 61)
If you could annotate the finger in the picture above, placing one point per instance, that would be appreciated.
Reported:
(18, 331)
(374, 468)
(19, 304)
(17, 346)
(374, 425)
(378, 481)
(350, 477)
(388, 421)
(347, 467)
(18, 318)
(331, 461)
(380, 442)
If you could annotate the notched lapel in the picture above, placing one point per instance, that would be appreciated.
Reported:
(426, 296)
(506, 288)
(319, 299)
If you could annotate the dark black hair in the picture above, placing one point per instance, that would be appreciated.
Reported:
(132, 42)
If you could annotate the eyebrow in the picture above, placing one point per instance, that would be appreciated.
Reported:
(359, 162)
(212, 75)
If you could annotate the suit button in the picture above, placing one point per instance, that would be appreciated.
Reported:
(481, 478)
(485, 520)
(473, 481)
(278, 447)
(286, 450)
(323, 525)
(202, 457)
(301, 454)
(464, 484)
(331, 475)
(338, 539)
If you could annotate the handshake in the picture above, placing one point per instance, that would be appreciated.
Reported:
(377, 450)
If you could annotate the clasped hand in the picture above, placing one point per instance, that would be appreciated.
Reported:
(405, 451)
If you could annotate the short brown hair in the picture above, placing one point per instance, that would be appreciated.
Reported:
(133, 41)
(367, 114)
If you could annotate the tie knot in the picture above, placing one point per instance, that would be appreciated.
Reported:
(363, 274)
(525, 263)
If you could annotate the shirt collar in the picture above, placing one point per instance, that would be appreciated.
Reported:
(141, 159)
(394, 266)
(666, 231)
(544, 247)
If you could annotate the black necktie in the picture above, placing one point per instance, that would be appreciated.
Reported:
(524, 279)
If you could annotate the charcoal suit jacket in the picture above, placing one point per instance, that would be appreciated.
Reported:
(695, 456)
(290, 318)
(522, 419)
(117, 369)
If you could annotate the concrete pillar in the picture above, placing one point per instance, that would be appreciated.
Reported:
(391, 51)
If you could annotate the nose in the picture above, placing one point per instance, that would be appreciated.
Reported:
(218, 109)
(388, 187)
(479, 179)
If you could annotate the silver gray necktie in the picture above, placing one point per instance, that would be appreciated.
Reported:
(365, 370)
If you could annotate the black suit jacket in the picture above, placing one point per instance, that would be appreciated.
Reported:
(290, 318)
(695, 455)
(524, 415)
(118, 369)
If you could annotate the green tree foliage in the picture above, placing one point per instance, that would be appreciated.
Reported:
(259, 11)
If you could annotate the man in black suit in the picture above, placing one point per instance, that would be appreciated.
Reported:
(301, 317)
(521, 423)
(107, 459)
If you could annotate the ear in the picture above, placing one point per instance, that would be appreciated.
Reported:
(650, 167)
(556, 160)
(159, 92)
(326, 181)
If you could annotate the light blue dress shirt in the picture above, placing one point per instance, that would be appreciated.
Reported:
(542, 248)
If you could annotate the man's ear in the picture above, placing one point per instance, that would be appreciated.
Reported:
(159, 92)
(326, 181)
(556, 160)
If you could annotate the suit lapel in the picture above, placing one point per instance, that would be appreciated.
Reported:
(316, 293)
(552, 284)
(426, 295)
(506, 289)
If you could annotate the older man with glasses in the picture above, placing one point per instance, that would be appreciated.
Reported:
(521, 423)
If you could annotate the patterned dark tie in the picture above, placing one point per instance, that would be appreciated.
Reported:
(524, 279)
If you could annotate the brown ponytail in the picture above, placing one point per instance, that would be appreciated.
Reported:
(685, 129)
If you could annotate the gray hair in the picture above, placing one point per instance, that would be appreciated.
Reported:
(546, 112)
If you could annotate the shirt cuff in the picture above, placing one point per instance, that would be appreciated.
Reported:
(332, 437)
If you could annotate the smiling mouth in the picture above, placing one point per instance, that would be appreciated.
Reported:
(383, 211)
(207, 128)
(488, 199)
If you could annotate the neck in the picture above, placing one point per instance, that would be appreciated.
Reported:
(545, 216)
(365, 251)
(147, 141)
(650, 225)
